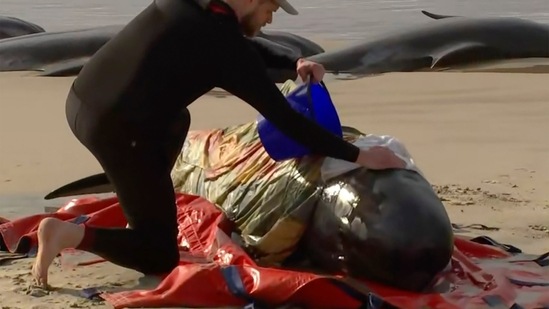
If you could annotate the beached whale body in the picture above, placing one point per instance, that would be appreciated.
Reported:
(441, 44)
(290, 44)
(12, 27)
(55, 53)
(298, 43)
(387, 226)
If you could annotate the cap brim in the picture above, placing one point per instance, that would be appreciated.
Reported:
(287, 7)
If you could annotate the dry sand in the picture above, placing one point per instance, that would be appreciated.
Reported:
(480, 138)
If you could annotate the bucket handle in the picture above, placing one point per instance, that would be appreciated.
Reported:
(309, 95)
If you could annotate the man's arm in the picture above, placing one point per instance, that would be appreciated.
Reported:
(245, 77)
(275, 55)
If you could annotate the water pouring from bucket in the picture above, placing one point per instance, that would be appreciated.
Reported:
(314, 102)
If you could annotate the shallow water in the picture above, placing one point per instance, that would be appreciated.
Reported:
(333, 19)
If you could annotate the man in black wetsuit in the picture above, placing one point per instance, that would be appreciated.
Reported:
(128, 107)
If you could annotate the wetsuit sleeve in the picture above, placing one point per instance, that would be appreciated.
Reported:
(243, 73)
(279, 58)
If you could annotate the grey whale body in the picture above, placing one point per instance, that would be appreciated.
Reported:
(12, 27)
(299, 44)
(65, 53)
(443, 43)
(440, 44)
(46, 50)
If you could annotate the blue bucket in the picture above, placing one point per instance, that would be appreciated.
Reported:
(311, 100)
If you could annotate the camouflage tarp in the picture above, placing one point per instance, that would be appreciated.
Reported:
(270, 202)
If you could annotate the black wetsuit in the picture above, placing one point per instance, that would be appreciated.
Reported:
(128, 106)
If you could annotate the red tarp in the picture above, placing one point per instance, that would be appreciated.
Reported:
(216, 272)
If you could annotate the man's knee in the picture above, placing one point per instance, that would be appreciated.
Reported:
(162, 260)
(182, 125)
(161, 251)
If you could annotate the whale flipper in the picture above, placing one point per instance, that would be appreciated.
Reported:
(94, 184)
(66, 68)
(436, 16)
(464, 52)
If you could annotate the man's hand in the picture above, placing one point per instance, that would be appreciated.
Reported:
(306, 68)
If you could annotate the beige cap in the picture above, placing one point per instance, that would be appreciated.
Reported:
(287, 7)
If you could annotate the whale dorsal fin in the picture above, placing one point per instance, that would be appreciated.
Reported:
(463, 52)
(436, 16)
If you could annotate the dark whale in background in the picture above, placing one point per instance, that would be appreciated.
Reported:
(279, 75)
(64, 53)
(53, 52)
(298, 43)
(12, 27)
(441, 44)
(296, 46)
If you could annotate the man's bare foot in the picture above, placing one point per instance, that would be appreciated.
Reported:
(54, 235)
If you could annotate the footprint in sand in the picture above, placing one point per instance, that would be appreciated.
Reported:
(493, 182)
(36, 291)
(540, 228)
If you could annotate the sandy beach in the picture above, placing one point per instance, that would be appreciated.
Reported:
(480, 138)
